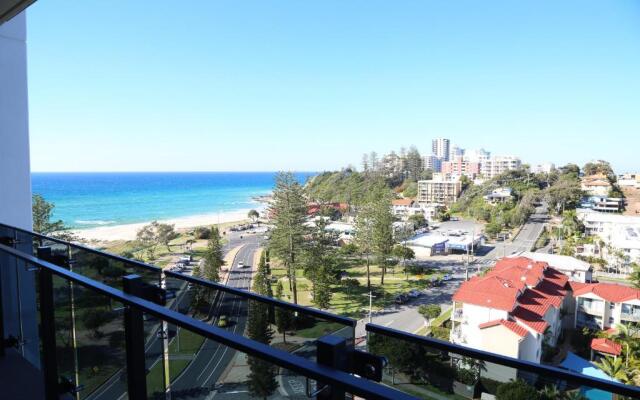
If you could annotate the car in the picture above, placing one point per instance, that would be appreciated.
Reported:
(446, 277)
(415, 293)
(401, 298)
(222, 321)
(241, 264)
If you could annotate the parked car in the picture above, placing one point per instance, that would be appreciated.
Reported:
(415, 293)
(447, 277)
(222, 321)
(401, 299)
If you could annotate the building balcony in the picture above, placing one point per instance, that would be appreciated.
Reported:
(592, 310)
(630, 316)
(106, 327)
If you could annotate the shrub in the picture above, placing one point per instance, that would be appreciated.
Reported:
(440, 332)
(202, 232)
(429, 311)
(517, 390)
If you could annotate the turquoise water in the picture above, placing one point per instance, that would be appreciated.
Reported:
(87, 200)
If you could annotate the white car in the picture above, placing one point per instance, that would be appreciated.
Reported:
(447, 277)
(414, 293)
(241, 264)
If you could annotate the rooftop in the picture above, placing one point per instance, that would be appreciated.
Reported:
(607, 346)
(607, 291)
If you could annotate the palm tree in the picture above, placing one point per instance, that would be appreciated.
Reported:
(550, 393)
(575, 395)
(613, 367)
(627, 336)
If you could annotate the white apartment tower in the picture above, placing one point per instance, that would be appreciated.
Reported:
(440, 148)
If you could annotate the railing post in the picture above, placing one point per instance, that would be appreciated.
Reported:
(134, 341)
(332, 351)
(48, 335)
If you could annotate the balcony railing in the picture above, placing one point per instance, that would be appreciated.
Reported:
(594, 310)
(103, 335)
(631, 316)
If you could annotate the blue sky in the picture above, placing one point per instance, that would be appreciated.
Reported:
(311, 85)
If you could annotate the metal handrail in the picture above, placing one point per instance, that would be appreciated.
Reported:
(318, 372)
(85, 248)
(199, 281)
(540, 369)
(266, 299)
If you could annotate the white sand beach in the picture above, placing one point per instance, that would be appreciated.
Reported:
(128, 231)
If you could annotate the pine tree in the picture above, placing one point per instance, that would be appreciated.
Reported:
(284, 317)
(213, 257)
(382, 230)
(262, 377)
(289, 211)
(320, 263)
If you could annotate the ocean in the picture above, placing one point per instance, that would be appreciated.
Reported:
(89, 200)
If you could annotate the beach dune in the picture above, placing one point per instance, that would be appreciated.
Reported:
(128, 231)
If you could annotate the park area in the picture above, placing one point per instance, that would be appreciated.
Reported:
(350, 295)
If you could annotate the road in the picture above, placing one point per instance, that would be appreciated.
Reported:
(200, 376)
(406, 317)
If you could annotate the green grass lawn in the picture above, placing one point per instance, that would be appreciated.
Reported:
(355, 302)
(155, 383)
(186, 342)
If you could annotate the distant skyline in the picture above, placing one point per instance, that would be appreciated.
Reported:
(311, 86)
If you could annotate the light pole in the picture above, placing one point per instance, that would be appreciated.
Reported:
(371, 296)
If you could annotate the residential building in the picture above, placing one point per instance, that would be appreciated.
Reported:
(603, 203)
(499, 165)
(543, 168)
(499, 195)
(511, 310)
(405, 207)
(477, 155)
(432, 162)
(595, 185)
(576, 270)
(604, 305)
(458, 166)
(439, 191)
(629, 180)
(455, 151)
(440, 148)
(620, 234)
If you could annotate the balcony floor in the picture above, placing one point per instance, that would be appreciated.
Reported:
(18, 378)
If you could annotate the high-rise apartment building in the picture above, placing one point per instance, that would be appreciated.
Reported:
(440, 148)
(497, 165)
(438, 191)
(432, 162)
(477, 155)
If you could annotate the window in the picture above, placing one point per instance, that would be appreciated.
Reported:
(611, 321)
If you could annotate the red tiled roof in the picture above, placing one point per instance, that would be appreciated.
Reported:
(524, 288)
(609, 291)
(520, 269)
(606, 346)
(514, 327)
(402, 202)
(492, 292)
(531, 319)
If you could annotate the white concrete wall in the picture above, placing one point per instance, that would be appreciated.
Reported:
(18, 285)
(531, 348)
(473, 316)
(15, 180)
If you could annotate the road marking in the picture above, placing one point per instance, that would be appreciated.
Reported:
(389, 323)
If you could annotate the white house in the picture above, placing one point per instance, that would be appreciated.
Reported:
(576, 270)
(511, 310)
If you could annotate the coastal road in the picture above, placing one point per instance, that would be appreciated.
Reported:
(201, 374)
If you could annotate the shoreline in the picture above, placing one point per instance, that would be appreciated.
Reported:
(128, 231)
